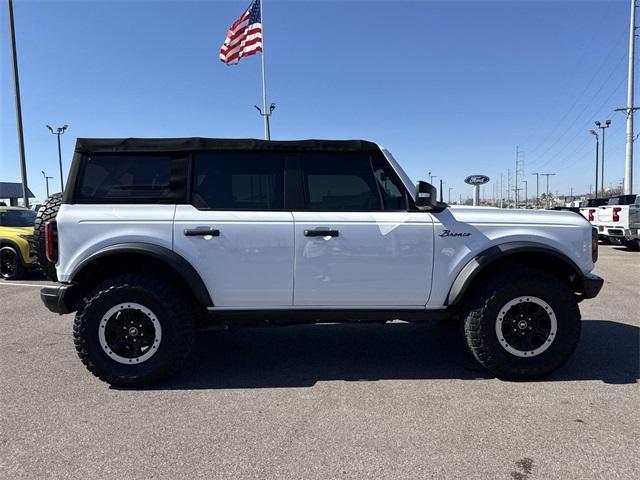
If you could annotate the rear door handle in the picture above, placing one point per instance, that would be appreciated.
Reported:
(201, 232)
(321, 233)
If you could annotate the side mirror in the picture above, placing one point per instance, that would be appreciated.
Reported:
(426, 196)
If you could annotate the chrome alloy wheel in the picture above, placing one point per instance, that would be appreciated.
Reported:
(526, 326)
(129, 333)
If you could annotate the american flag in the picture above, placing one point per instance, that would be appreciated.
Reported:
(244, 38)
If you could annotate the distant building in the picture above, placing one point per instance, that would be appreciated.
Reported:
(12, 191)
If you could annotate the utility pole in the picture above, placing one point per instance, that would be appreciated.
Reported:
(606, 125)
(547, 175)
(501, 189)
(537, 189)
(526, 193)
(46, 179)
(628, 160)
(16, 84)
(519, 172)
(59, 132)
(571, 195)
(508, 187)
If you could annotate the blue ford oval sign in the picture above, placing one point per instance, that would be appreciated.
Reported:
(476, 179)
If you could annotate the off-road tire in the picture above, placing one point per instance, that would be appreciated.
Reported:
(632, 244)
(172, 310)
(18, 270)
(481, 311)
(46, 213)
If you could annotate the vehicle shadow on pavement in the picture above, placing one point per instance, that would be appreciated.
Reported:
(300, 356)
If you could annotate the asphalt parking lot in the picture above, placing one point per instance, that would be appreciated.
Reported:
(329, 401)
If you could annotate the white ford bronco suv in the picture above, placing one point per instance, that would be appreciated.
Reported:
(156, 238)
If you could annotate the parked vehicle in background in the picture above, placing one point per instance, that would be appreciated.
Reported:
(154, 238)
(589, 209)
(16, 234)
(615, 220)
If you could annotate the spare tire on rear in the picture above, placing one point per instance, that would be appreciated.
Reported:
(46, 213)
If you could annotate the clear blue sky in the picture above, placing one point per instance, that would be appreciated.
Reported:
(449, 87)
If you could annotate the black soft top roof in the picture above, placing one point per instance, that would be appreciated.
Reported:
(117, 145)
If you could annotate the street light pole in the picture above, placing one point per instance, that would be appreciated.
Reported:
(526, 193)
(46, 179)
(59, 131)
(607, 124)
(595, 134)
(547, 175)
(16, 84)
(449, 199)
(537, 188)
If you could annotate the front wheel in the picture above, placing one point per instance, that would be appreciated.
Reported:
(522, 324)
(10, 263)
(133, 330)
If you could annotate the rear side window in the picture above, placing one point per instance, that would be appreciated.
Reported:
(130, 178)
(339, 182)
(238, 181)
(622, 200)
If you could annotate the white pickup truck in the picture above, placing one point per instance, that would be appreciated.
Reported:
(619, 220)
(589, 209)
(156, 238)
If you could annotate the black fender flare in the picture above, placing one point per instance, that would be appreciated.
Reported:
(170, 258)
(481, 261)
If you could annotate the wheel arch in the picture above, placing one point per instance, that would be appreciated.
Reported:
(143, 258)
(534, 255)
(6, 242)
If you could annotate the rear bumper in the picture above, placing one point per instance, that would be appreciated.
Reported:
(57, 298)
(591, 285)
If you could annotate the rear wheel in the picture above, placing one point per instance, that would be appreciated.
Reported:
(47, 212)
(10, 263)
(133, 330)
(522, 324)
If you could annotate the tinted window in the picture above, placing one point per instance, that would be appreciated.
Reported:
(238, 181)
(393, 195)
(339, 182)
(17, 218)
(125, 177)
(622, 200)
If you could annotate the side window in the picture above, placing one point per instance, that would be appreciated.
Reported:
(393, 194)
(238, 181)
(339, 182)
(128, 177)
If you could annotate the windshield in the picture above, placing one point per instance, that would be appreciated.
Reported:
(17, 218)
(622, 200)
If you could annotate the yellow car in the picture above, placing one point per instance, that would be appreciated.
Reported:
(16, 233)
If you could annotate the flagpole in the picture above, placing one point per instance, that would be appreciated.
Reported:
(265, 113)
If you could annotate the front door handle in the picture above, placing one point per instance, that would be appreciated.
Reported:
(321, 233)
(201, 232)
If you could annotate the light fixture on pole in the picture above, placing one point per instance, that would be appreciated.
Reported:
(46, 179)
(595, 134)
(266, 115)
(58, 132)
(606, 125)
